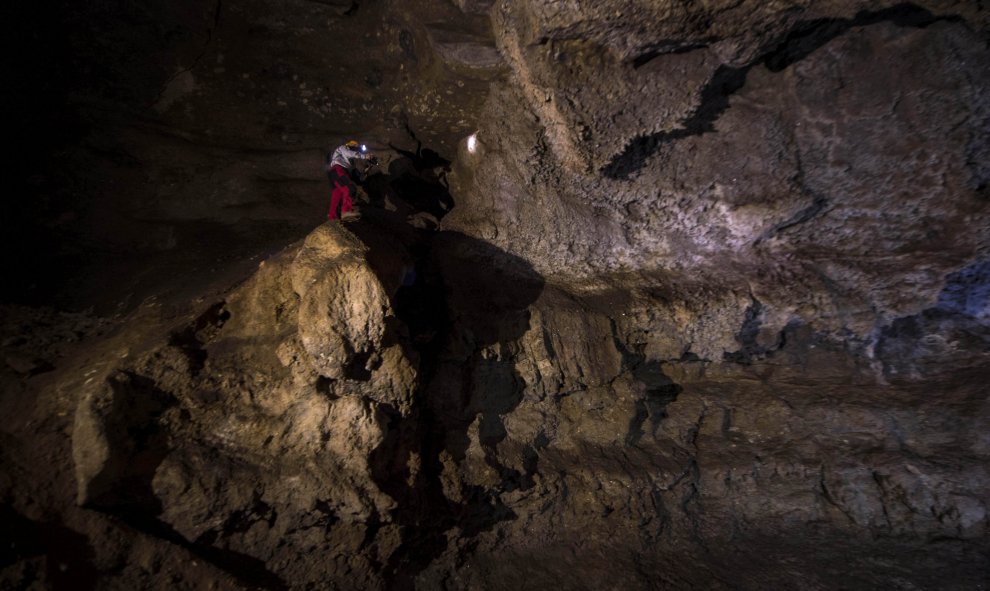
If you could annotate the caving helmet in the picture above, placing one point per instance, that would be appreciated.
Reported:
(355, 145)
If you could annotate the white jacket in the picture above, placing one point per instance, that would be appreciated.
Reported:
(344, 155)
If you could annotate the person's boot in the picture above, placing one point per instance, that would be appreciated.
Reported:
(350, 216)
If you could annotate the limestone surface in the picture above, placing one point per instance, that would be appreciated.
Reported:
(705, 304)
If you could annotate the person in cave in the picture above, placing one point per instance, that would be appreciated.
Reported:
(340, 166)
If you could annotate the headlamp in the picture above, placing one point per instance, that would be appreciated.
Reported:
(364, 148)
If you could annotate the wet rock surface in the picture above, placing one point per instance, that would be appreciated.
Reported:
(706, 305)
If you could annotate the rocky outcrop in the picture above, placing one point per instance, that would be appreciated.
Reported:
(470, 425)
(252, 429)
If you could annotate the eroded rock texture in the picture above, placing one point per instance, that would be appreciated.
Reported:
(707, 307)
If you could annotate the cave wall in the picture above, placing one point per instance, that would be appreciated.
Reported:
(710, 310)
(768, 208)
(758, 175)
(189, 136)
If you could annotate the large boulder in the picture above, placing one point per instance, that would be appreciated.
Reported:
(253, 428)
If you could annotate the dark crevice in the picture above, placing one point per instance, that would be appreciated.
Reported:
(359, 368)
(668, 47)
(803, 39)
(324, 385)
(818, 204)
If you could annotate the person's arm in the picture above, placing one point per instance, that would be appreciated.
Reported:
(369, 156)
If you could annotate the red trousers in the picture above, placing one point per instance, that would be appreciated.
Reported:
(343, 189)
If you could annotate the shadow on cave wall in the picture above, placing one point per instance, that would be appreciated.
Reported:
(462, 302)
(468, 302)
(658, 390)
(415, 183)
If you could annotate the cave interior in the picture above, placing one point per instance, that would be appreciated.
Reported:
(641, 294)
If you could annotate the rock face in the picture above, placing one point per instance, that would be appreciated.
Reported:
(294, 417)
(707, 305)
(461, 422)
(846, 193)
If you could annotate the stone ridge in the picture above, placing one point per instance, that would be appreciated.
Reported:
(444, 427)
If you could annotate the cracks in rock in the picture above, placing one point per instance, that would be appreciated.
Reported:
(694, 430)
(803, 39)
(217, 10)
(818, 204)
(831, 500)
(878, 479)
(667, 47)
(677, 480)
